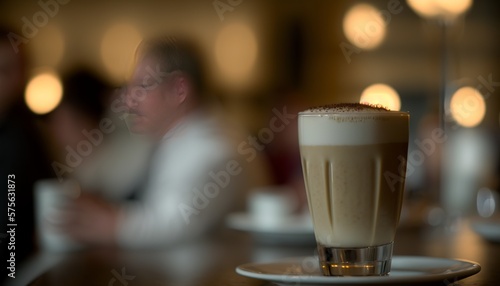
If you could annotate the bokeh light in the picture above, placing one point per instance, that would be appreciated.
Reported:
(486, 202)
(455, 7)
(467, 106)
(44, 92)
(381, 94)
(118, 48)
(425, 8)
(440, 8)
(236, 51)
(364, 27)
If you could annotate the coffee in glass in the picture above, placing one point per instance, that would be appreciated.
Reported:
(354, 164)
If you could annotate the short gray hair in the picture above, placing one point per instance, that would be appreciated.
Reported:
(175, 53)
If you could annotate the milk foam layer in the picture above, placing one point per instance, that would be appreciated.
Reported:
(351, 124)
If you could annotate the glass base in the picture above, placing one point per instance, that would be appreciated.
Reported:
(359, 261)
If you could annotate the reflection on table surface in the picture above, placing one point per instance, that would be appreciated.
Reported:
(212, 261)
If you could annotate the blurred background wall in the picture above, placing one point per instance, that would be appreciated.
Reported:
(274, 46)
(266, 54)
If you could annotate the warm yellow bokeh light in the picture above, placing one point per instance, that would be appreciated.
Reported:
(455, 7)
(118, 48)
(440, 8)
(425, 8)
(381, 94)
(364, 27)
(467, 106)
(236, 52)
(43, 93)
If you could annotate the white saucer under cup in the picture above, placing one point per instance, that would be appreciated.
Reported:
(405, 270)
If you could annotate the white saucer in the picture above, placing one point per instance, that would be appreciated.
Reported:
(489, 230)
(295, 229)
(405, 270)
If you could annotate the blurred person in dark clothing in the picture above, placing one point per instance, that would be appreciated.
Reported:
(81, 108)
(89, 142)
(22, 155)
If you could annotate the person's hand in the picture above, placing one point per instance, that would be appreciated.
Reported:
(91, 220)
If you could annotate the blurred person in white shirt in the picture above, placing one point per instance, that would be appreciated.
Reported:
(195, 175)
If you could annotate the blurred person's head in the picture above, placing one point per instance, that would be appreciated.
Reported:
(81, 107)
(12, 71)
(165, 86)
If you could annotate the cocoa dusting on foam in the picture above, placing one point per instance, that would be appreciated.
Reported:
(347, 107)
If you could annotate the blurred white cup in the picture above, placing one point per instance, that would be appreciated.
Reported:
(272, 205)
(50, 197)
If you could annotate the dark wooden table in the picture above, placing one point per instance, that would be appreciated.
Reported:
(212, 261)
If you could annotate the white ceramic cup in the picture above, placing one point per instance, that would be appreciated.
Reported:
(50, 197)
(272, 205)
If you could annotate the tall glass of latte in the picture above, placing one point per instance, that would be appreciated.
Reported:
(354, 164)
